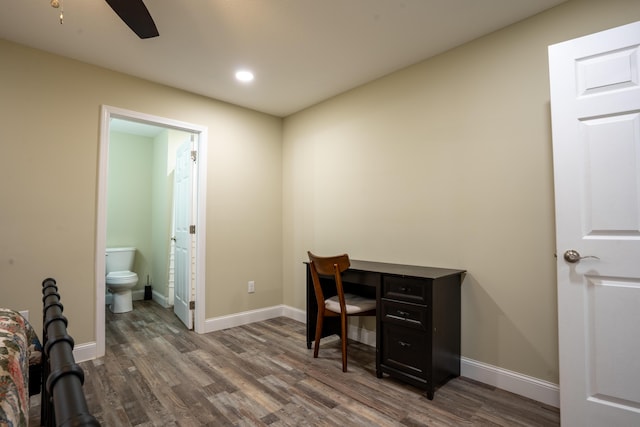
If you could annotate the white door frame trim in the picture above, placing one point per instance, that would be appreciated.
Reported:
(107, 112)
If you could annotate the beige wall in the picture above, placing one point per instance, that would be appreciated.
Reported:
(49, 131)
(447, 163)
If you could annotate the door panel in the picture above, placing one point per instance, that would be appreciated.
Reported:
(610, 340)
(611, 202)
(595, 105)
(183, 203)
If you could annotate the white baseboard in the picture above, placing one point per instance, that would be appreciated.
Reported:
(523, 385)
(85, 351)
(246, 317)
(514, 382)
(362, 335)
(295, 314)
(160, 299)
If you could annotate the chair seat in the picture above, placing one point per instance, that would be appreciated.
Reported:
(354, 304)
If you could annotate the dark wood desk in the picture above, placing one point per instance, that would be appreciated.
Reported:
(417, 319)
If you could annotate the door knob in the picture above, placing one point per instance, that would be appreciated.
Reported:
(573, 256)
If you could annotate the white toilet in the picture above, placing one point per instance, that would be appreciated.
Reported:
(120, 279)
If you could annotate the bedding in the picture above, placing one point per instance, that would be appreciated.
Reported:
(20, 349)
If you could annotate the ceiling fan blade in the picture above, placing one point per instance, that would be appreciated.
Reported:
(136, 15)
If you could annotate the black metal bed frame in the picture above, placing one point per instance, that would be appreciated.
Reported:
(62, 399)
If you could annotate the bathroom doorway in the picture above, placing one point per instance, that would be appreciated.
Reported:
(130, 122)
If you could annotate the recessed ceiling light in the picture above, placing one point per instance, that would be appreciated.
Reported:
(244, 76)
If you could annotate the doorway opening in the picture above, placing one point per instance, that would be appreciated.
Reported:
(109, 116)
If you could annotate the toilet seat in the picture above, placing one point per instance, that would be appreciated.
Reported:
(121, 277)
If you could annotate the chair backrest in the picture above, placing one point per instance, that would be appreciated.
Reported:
(328, 266)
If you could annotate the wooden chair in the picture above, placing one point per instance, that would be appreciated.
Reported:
(342, 304)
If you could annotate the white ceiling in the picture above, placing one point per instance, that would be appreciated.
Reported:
(301, 51)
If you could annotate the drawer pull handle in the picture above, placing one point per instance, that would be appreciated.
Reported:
(403, 313)
(404, 344)
(403, 289)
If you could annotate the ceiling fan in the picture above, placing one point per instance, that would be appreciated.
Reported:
(136, 15)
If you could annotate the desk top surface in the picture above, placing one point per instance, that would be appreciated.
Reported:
(402, 269)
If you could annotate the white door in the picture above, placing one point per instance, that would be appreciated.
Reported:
(595, 105)
(183, 220)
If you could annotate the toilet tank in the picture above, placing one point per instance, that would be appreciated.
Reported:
(120, 259)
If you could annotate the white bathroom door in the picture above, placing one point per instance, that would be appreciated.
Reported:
(595, 109)
(183, 233)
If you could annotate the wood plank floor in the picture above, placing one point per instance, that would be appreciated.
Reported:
(156, 373)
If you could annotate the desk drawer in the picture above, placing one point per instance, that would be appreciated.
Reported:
(406, 349)
(405, 314)
(407, 289)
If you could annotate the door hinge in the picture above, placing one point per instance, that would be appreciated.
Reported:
(192, 229)
(192, 305)
(194, 155)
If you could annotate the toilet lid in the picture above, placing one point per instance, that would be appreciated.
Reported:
(121, 277)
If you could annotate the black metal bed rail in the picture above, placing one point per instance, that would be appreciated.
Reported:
(62, 400)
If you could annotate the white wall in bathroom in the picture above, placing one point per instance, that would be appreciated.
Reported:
(161, 196)
(129, 198)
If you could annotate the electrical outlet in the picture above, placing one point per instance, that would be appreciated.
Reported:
(25, 314)
(252, 286)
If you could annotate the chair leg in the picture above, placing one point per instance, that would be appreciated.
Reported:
(316, 344)
(343, 327)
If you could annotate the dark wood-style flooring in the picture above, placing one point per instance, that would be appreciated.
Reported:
(156, 373)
